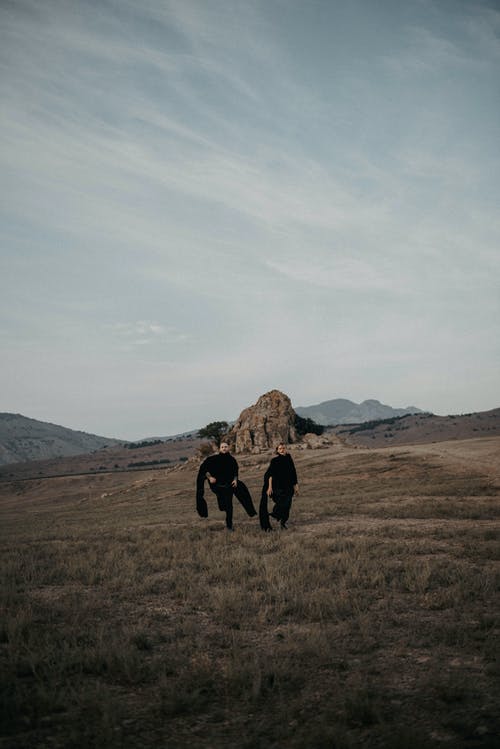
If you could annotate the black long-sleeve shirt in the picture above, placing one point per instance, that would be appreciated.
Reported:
(222, 467)
(283, 473)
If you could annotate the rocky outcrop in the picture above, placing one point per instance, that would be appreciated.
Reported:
(262, 426)
(318, 441)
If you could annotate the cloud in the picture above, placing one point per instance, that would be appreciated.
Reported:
(239, 172)
(144, 332)
(343, 273)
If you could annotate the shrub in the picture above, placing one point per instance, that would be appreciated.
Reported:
(307, 426)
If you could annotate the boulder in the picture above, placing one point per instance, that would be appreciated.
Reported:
(318, 441)
(262, 426)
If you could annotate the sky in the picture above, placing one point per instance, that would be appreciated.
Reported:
(205, 200)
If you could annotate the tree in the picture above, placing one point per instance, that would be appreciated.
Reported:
(307, 426)
(214, 431)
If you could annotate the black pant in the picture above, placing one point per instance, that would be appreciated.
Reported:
(224, 496)
(282, 499)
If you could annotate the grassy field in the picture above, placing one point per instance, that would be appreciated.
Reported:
(127, 621)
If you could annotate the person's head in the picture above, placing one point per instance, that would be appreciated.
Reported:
(223, 447)
(281, 448)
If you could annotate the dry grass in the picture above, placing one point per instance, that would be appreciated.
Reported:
(129, 622)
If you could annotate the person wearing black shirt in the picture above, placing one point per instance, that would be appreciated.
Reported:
(221, 470)
(282, 484)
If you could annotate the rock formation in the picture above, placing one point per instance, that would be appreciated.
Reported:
(318, 441)
(262, 426)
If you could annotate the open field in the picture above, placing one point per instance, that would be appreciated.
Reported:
(107, 460)
(374, 621)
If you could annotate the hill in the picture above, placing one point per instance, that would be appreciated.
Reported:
(158, 453)
(131, 456)
(22, 439)
(343, 411)
(421, 428)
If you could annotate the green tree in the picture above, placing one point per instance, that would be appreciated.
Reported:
(305, 426)
(214, 431)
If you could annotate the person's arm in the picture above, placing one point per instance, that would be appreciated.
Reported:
(235, 479)
(205, 471)
(270, 480)
(295, 480)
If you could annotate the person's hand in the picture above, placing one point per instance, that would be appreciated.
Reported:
(233, 483)
(269, 492)
(212, 480)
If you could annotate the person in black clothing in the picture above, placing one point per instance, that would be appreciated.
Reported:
(282, 484)
(221, 470)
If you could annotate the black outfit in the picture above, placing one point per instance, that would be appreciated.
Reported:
(224, 468)
(263, 510)
(284, 476)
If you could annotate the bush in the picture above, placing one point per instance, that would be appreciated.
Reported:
(145, 443)
(205, 449)
(307, 426)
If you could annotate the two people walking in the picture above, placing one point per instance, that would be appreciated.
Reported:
(221, 472)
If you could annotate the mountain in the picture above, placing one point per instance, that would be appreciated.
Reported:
(422, 428)
(23, 439)
(343, 411)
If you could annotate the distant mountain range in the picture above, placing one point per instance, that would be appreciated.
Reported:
(23, 439)
(343, 411)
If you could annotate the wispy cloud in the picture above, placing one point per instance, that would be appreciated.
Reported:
(202, 171)
(344, 274)
(145, 332)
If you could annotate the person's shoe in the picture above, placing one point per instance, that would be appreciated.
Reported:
(229, 528)
(284, 525)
